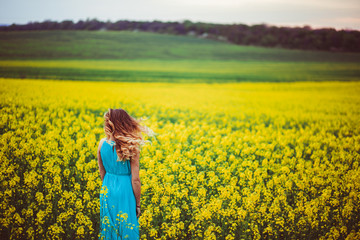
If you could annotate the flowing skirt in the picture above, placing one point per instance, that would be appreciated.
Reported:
(118, 208)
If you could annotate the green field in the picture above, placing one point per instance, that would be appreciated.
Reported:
(234, 159)
(149, 57)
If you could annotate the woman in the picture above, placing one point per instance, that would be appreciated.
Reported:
(118, 158)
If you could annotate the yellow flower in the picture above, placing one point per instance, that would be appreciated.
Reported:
(227, 158)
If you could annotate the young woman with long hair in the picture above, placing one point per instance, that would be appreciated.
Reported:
(118, 159)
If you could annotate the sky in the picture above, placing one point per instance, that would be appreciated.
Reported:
(344, 14)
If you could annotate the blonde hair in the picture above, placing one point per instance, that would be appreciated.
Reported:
(126, 131)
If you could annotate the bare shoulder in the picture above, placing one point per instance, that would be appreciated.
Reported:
(101, 143)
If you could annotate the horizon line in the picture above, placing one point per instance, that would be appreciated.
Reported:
(312, 27)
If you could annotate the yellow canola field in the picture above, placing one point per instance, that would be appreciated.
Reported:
(230, 161)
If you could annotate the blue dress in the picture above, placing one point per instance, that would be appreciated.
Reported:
(117, 200)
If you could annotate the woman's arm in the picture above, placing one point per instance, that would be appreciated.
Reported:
(101, 166)
(135, 180)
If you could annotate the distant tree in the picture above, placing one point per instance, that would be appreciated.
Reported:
(49, 25)
(350, 41)
(80, 25)
(93, 24)
(268, 40)
(179, 28)
(305, 37)
(67, 24)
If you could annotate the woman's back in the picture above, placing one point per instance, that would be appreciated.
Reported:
(117, 200)
(109, 158)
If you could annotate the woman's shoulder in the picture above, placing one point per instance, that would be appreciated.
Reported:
(101, 142)
(111, 143)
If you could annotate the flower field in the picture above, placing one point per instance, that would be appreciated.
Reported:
(230, 161)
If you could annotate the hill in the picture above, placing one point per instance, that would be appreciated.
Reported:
(304, 38)
(140, 56)
(143, 45)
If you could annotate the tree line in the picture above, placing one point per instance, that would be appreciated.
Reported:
(306, 38)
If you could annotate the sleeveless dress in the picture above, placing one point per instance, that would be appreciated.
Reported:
(117, 200)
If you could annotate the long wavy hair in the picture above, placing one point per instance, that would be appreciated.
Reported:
(126, 131)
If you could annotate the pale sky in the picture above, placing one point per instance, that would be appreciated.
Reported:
(339, 14)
